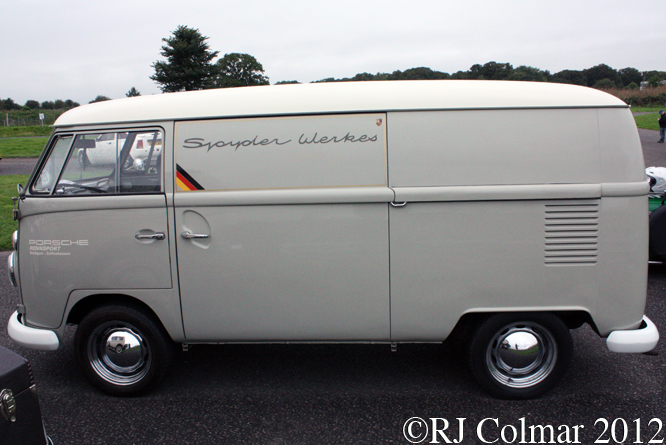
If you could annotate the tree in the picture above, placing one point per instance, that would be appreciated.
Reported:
(99, 99)
(9, 104)
(570, 76)
(654, 81)
(491, 71)
(47, 105)
(32, 104)
(488, 71)
(133, 92)
(629, 76)
(363, 77)
(238, 70)
(189, 62)
(600, 72)
(420, 73)
(604, 84)
(287, 82)
(529, 73)
(71, 104)
(648, 75)
(58, 103)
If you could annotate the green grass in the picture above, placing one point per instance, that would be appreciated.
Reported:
(646, 109)
(22, 147)
(16, 131)
(7, 224)
(647, 121)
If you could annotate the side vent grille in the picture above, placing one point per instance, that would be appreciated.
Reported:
(571, 233)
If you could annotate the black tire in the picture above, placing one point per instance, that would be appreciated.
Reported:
(141, 364)
(658, 233)
(505, 370)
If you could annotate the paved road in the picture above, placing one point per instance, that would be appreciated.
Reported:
(17, 166)
(343, 394)
(653, 152)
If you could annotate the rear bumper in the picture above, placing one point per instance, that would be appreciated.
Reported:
(32, 338)
(643, 339)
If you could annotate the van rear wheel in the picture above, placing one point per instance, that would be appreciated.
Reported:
(122, 349)
(521, 355)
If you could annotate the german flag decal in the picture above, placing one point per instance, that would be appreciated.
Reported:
(185, 181)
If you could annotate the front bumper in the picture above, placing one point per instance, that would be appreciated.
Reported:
(10, 268)
(643, 339)
(32, 338)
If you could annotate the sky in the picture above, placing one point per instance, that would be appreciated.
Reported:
(71, 49)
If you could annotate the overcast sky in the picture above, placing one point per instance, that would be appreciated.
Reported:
(69, 49)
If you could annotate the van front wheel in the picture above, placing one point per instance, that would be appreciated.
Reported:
(520, 356)
(122, 349)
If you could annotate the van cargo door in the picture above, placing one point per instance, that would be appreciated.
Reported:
(282, 229)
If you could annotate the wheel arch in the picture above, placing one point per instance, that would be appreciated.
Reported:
(161, 304)
(92, 302)
(470, 320)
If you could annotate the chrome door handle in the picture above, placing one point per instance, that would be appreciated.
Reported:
(158, 235)
(188, 235)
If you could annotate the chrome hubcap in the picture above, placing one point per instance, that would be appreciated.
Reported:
(521, 355)
(118, 353)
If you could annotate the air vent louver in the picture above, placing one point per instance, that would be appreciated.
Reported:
(571, 233)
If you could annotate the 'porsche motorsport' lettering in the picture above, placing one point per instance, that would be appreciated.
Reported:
(54, 247)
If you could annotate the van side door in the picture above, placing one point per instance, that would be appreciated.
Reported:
(92, 227)
(282, 229)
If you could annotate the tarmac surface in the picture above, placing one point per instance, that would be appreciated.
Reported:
(17, 166)
(351, 394)
(654, 153)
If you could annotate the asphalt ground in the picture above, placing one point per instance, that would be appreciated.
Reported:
(654, 153)
(352, 394)
(17, 166)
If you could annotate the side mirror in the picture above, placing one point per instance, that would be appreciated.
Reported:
(20, 190)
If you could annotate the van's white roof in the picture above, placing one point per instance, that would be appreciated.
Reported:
(338, 97)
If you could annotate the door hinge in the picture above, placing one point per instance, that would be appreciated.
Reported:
(8, 405)
(16, 213)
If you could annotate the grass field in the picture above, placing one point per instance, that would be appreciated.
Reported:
(35, 130)
(7, 224)
(647, 121)
(23, 142)
(22, 147)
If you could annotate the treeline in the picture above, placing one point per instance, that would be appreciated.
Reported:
(9, 105)
(599, 76)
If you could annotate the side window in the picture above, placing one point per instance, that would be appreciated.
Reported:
(106, 163)
(80, 176)
(47, 177)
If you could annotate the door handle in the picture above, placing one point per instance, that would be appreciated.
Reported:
(158, 235)
(188, 235)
